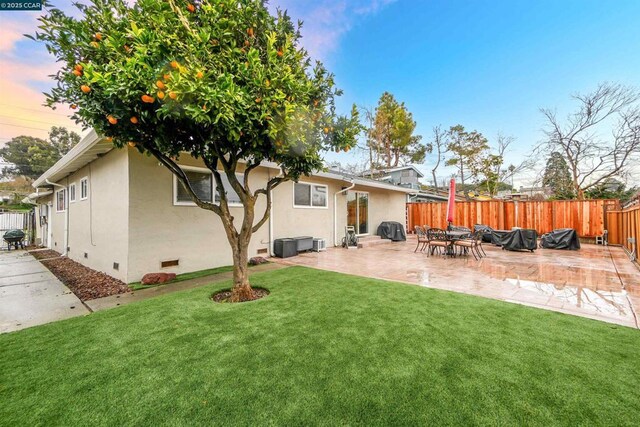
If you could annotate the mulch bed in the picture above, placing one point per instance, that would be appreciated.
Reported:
(44, 254)
(86, 283)
(223, 296)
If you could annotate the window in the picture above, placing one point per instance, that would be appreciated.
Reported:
(232, 196)
(84, 188)
(203, 184)
(72, 193)
(309, 195)
(61, 200)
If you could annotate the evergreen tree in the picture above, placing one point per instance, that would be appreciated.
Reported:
(557, 176)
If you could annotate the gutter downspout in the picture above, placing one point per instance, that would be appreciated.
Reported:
(271, 253)
(335, 211)
(66, 214)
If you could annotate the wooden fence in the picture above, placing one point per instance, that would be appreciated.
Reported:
(623, 225)
(587, 217)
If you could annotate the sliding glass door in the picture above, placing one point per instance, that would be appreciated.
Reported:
(358, 211)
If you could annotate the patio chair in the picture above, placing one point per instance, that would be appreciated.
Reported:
(437, 238)
(422, 238)
(472, 244)
(603, 239)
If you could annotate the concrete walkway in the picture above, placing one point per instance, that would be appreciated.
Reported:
(130, 297)
(31, 295)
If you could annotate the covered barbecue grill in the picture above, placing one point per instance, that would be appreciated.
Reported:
(15, 238)
(563, 238)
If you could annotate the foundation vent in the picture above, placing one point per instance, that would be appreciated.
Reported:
(170, 263)
(86, 255)
(262, 251)
(116, 266)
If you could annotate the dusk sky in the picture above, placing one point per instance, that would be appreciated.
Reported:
(488, 65)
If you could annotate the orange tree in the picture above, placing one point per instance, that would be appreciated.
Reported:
(223, 80)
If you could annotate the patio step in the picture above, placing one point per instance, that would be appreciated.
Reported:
(367, 241)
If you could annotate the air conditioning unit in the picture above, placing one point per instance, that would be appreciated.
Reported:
(319, 245)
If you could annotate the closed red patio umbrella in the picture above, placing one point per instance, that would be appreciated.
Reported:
(451, 204)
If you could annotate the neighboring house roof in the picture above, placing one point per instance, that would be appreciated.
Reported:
(93, 146)
(387, 171)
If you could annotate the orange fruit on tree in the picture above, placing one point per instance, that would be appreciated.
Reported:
(267, 83)
(73, 106)
(148, 99)
(85, 88)
(280, 53)
(191, 8)
(315, 103)
(246, 43)
(173, 95)
(166, 76)
(258, 100)
(77, 73)
(160, 94)
(200, 74)
(95, 44)
(134, 120)
(112, 120)
(174, 64)
(250, 32)
(160, 85)
(326, 130)
(77, 67)
(98, 36)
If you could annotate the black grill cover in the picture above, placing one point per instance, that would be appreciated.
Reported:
(392, 230)
(486, 232)
(563, 238)
(516, 240)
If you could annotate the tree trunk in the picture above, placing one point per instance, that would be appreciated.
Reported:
(241, 290)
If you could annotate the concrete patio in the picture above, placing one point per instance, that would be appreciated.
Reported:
(31, 295)
(596, 282)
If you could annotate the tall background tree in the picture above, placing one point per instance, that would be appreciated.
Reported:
(439, 147)
(557, 177)
(224, 81)
(30, 157)
(391, 136)
(600, 139)
(467, 151)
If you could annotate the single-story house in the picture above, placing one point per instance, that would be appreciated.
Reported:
(121, 212)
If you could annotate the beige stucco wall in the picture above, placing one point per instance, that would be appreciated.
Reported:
(289, 221)
(98, 226)
(161, 231)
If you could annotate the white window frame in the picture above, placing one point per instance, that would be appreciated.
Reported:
(86, 196)
(310, 184)
(214, 188)
(72, 192)
(64, 197)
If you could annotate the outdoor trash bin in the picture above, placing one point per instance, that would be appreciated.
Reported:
(284, 248)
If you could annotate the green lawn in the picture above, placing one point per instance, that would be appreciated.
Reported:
(323, 348)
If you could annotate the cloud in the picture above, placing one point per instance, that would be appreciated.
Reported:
(326, 21)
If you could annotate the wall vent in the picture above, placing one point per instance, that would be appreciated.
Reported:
(170, 263)
(262, 251)
(116, 266)
(86, 255)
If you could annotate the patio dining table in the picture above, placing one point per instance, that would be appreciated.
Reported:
(452, 236)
